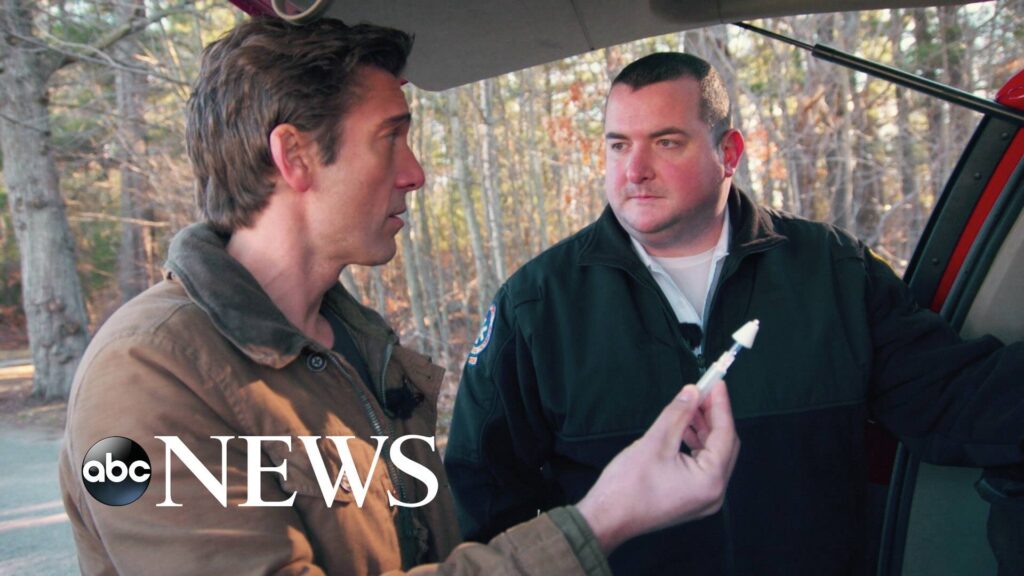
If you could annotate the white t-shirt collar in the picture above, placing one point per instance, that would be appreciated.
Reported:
(682, 307)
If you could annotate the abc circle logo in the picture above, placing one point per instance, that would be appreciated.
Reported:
(116, 471)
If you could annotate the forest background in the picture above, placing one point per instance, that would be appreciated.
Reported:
(96, 179)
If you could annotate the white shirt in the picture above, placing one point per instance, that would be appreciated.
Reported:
(690, 274)
(695, 273)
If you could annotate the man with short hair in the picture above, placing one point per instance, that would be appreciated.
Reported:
(586, 342)
(249, 352)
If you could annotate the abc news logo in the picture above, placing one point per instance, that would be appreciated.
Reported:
(116, 471)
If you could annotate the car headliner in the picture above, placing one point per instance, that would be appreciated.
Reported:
(462, 41)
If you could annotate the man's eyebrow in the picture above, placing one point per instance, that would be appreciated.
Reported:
(397, 120)
(671, 130)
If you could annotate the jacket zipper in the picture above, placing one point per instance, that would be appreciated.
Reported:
(396, 479)
(727, 272)
(702, 360)
(702, 365)
(375, 422)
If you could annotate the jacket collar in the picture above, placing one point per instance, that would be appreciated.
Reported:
(243, 313)
(752, 231)
(753, 228)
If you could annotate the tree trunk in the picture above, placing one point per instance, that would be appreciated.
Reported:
(954, 62)
(569, 216)
(485, 289)
(715, 40)
(907, 158)
(927, 64)
(491, 180)
(432, 286)
(429, 270)
(460, 278)
(412, 283)
(520, 209)
(135, 256)
(564, 204)
(535, 178)
(840, 159)
(51, 290)
(435, 286)
(792, 141)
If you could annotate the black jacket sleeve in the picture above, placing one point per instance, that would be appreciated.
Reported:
(951, 401)
(498, 442)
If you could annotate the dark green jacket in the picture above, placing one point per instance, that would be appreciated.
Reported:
(582, 352)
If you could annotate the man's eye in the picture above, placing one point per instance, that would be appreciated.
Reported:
(665, 143)
(617, 146)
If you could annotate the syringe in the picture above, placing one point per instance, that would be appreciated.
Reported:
(743, 338)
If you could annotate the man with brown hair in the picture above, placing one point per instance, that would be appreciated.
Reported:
(250, 348)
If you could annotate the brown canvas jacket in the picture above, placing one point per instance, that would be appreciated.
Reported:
(205, 353)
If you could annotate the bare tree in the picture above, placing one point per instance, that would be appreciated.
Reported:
(433, 280)
(484, 277)
(51, 289)
(837, 121)
(411, 267)
(905, 143)
(489, 92)
(535, 176)
(135, 256)
(435, 314)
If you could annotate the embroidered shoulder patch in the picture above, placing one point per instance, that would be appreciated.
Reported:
(484, 337)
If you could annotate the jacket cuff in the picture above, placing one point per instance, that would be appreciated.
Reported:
(581, 539)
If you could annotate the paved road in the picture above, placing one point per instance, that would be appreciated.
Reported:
(35, 536)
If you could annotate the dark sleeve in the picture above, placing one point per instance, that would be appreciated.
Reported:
(498, 442)
(951, 401)
(1003, 489)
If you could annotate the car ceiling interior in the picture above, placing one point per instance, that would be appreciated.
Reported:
(462, 41)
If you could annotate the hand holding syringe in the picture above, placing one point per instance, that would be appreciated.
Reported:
(744, 338)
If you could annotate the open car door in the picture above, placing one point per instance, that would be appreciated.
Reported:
(969, 267)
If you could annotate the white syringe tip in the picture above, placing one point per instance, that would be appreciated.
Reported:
(746, 334)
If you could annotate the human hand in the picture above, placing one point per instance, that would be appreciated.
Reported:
(652, 485)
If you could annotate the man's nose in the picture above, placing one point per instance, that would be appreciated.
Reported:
(638, 166)
(410, 173)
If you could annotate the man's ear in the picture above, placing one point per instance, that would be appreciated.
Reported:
(293, 153)
(731, 148)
